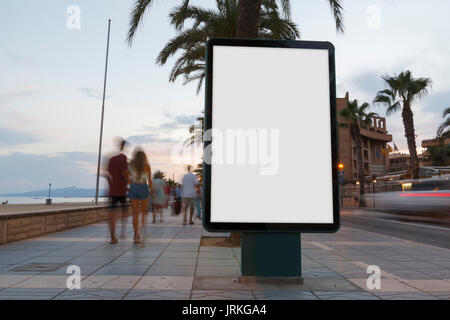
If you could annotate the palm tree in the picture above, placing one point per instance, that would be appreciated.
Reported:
(206, 23)
(249, 15)
(403, 91)
(243, 18)
(443, 131)
(158, 174)
(196, 133)
(355, 118)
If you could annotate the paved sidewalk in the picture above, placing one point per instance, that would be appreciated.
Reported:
(171, 264)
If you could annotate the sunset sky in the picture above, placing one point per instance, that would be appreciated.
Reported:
(51, 79)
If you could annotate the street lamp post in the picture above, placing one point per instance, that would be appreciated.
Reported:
(373, 188)
(103, 111)
(341, 181)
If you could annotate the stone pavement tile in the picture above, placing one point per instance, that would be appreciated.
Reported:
(85, 270)
(126, 261)
(422, 266)
(445, 263)
(189, 262)
(182, 249)
(442, 274)
(409, 274)
(58, 260)
(170, 271)
(440, 295)
(387, 285)
(43, 281)
(232, 283)
(216, 249)
(121, 270)
(109, 281)
(434, 285)
(222, 295)
(320, 274)
(164, 283)
(157, 295)
(405, 296)
(91, 261)
(179, 254)
(218, 271)
(90, 294)
(284, 295)
(7, 281)
(345, 295)
(216, 255)
(217, 263)
(28, 294)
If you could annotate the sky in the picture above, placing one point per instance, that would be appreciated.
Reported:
(52, 69)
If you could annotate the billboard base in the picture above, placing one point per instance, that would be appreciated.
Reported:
(270, 254)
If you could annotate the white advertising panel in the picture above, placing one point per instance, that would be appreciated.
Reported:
(270, 114)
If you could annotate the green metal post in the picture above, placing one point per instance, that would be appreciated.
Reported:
(269, 254)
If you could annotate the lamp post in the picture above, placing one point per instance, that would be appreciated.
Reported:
(341, 181)
(373, 188)
(103, 111)
(48, 201)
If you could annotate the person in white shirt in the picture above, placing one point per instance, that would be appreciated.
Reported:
(188, 194)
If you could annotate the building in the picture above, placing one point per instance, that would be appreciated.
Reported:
(374, 140)
(431, 143)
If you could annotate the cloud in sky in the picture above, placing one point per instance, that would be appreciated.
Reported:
(14, 56)
(25, 172)
(148, 138)
(93, 93)
(12, 138)
(16, 92)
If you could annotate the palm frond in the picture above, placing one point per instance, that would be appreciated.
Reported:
(442, 128)
(446, 112)
(337, 9)
(137, 14)
(393, 108)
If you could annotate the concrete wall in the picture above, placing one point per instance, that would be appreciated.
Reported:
(16, 227)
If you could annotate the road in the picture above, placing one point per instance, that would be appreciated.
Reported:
(425, 228)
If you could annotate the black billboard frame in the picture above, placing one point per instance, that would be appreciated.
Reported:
(270, 227)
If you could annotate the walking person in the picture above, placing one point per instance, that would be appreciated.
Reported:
(159, 199)
(198, 200)
(140, 185)
(188, 195)
(117, 179)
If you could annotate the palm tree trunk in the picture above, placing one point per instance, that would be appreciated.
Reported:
(249, 12)
(408, 123)
(361, 175)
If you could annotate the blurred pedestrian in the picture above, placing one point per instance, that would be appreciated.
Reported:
(140, 185)
(117, 180)
(188, 195)
(198, 200)
(159, 199)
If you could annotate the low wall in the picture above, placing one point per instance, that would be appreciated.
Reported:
(16, 227)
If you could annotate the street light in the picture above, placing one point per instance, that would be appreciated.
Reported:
(374, 180)
(341, 181)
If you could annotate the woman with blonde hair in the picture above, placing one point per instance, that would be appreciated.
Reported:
(140, 185)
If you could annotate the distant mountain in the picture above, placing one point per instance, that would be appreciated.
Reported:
(61, 192)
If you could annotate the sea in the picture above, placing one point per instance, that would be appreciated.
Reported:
(41, 200)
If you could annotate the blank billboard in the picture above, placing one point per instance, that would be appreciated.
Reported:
(270, 148)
